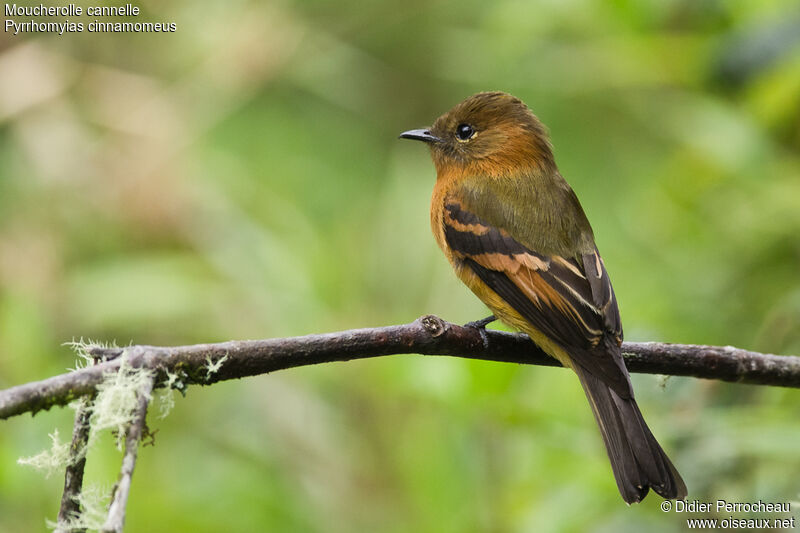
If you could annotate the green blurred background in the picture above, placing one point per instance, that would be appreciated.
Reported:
(242, 178)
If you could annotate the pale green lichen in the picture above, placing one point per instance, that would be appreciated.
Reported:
(113, 407)
(213, 367)
(93, 501)
(83, 349)
(52, 460)
(165, 397)
(117, 398)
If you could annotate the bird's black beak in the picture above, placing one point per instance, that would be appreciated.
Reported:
(423, 135)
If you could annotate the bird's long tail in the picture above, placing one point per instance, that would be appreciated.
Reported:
(637, 459)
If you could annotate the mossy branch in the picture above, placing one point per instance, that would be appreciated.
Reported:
(136, 429)
(73, 476)
(429, 335)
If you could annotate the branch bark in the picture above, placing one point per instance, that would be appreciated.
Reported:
(73, 476)
(119, 500)
(428, 335)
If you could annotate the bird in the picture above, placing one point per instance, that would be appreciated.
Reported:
(515, 233)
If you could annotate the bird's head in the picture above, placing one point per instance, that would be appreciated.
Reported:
(493, 133)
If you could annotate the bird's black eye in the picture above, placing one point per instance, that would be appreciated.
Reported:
(464, 132)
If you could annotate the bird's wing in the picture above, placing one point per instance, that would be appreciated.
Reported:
(569, 299)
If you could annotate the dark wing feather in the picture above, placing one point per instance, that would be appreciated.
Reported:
(569, 299)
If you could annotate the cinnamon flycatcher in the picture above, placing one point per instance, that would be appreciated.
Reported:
(516, 235)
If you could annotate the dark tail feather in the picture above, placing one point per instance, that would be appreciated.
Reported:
(637, 460)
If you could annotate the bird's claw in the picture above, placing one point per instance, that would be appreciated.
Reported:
(480, 325)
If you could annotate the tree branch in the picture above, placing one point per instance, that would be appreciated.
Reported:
(119, 500)
(73, 476)
(428, 335)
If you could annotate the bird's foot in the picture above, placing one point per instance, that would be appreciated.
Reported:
(480, 325)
